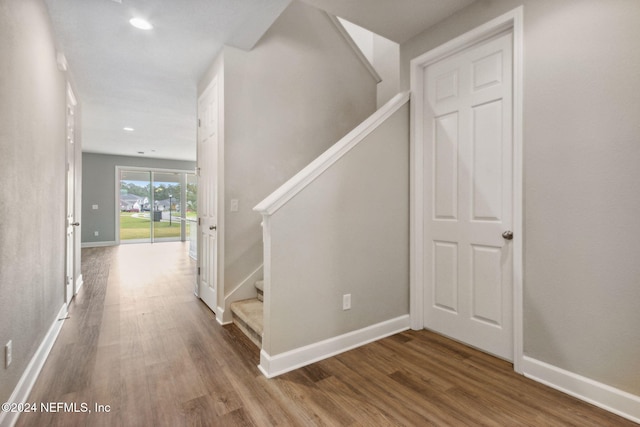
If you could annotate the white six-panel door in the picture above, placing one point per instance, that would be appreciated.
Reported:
(468, 185)
(207, 194)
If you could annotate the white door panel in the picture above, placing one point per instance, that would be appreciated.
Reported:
(208, 194)
(468, 199)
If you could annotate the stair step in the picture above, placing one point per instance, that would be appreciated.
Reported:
(248, 316)
(260, 289)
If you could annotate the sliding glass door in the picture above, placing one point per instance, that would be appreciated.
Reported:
(135, 202)
(191, 215)
(167, 212)
(155, 205)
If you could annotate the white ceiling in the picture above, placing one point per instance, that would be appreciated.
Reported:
(125, 77)
(397, 20)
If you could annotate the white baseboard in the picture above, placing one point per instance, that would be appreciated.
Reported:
(272, 366)
(220, 317)
(79, 283)
(604, 396)
(97, 244)
(30, 374)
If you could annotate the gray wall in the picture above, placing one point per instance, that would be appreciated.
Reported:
(345, 233)
(295, 94)
(581, 158)
(99, 188)
(32, 173)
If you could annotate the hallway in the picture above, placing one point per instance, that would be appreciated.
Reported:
(139, 341)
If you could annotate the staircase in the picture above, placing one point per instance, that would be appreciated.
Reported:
(248, 315)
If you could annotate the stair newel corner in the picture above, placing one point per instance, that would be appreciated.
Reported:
(266, 242)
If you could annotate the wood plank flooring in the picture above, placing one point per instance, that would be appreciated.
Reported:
(139, 341)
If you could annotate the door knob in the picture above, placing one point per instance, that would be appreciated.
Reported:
(75, 224)
(508, 235)
(212, 227)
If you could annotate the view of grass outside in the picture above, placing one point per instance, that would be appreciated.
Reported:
(151, 207)
(135, 225)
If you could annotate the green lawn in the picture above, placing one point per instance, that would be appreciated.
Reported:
(134, 227)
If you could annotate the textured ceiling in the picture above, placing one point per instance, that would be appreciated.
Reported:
(146, 80)
(126, 77)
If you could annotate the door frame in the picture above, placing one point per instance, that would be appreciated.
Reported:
(71, 288)
(512, 21)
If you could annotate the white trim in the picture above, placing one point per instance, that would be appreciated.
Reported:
(272, 366)
(71, 94)
(61, 62)
(518, 188)
(317, 167)
(220, 318)
(30, 374)
(266, 285)
(513, 21)
(244, 290)
(356, 49)
(614, 400)
(98, 244)
(79, 283)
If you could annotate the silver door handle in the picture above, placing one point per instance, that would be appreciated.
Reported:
(508, 235)
(212, 227)
(75, 224)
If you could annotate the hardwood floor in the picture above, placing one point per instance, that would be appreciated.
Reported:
(139, 341)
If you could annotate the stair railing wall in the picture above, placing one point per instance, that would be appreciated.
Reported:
(339, 230)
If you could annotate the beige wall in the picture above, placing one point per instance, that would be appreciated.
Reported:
(295, 94)
(581, 157)
(346, 233)
(32, 173)
(386, 61)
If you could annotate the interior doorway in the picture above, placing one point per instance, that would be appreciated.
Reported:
(467, 235)
(155, 205)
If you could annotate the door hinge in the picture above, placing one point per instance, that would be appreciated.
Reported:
(198, 271)
(199, 123)
(199, 221)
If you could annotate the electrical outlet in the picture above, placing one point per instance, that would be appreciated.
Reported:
(234, 205)
(7, 354)
(95, 233)
(346, 302)
(94, 207)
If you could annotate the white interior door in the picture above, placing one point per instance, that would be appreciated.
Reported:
(468, 200)
(208, 127)
(70, 196)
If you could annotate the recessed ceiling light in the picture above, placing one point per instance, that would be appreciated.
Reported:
(128, 129)
(140, 23)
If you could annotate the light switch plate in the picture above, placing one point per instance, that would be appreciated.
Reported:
(346, 302)
(8, 357)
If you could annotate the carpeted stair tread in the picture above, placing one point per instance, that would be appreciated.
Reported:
(248, 316)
